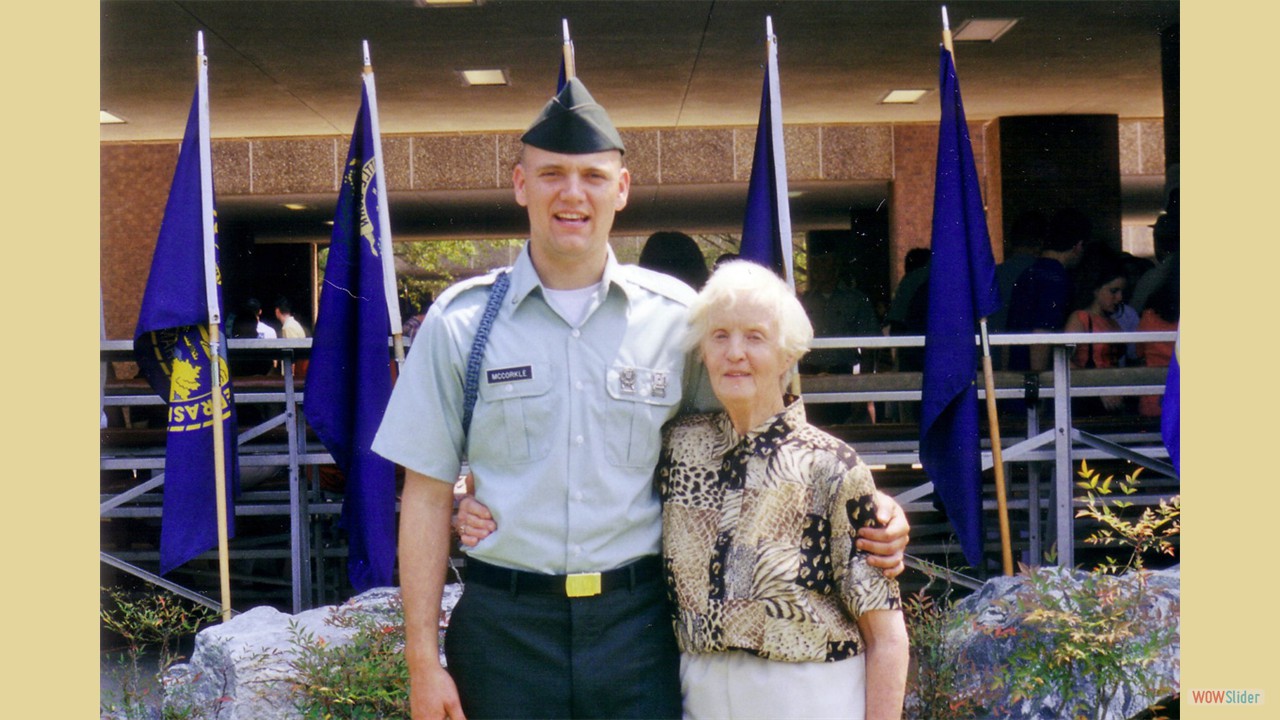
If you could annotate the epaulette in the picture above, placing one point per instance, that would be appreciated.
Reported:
(659, 283)
(455, 290)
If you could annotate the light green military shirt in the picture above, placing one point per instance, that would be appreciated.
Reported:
(566, 430)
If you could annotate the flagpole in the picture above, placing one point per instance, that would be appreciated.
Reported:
(215, 320)
(779, 152)
(384, 217)
(946, 35)
(988, 377)
(570, 70)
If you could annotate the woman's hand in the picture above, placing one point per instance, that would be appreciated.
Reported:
(472, 522)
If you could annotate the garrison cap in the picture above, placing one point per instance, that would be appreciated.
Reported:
(573, 123)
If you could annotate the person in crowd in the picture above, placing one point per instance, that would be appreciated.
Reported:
(289, 325)
(248, 325)
(909, 310)
(1025, 241)
(722, 259)
(1042, 296)
(252, 311)
(837, 310)
(1100, 289)
(559, 419)
(1161, 315)
(677, 255)
(1125, 315)
(1166, 236)
(777, 613)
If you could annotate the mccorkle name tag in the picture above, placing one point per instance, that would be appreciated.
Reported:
(501, 375)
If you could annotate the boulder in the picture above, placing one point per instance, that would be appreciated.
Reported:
(992, 630)
(240, 669)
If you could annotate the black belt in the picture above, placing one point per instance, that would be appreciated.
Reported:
(575, 585)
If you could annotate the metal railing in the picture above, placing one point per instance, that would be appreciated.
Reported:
(1058, 445)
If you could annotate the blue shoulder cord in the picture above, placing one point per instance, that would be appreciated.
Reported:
(471, 388)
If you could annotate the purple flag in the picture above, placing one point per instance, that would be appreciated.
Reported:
(962, 289)
(349, 379)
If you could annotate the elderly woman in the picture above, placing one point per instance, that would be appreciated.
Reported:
(777, 614)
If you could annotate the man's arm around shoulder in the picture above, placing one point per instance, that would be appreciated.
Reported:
(425, 508)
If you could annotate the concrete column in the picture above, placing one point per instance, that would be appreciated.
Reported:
(1048, 162)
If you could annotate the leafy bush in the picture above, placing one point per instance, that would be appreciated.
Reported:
(1101, 624)
(364, 678)
(933, 685)
(152, 623)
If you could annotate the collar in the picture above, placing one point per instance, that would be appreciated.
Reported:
(765, 438)
(524, 279)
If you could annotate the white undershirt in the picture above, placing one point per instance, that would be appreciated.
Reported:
(572, 305)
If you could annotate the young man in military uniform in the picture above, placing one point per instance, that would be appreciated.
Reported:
(564, 613)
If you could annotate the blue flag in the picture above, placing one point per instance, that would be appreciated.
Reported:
(766, 227)
(171, 344)
(349, 380)
(1171, 409)
(962, 289)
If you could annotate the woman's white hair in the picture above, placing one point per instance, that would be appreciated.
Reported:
(741, 282)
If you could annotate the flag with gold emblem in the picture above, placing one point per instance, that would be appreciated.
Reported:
(172, 346)
(349, 380)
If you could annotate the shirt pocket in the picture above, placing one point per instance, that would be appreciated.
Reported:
(640, 401)
(517, 416)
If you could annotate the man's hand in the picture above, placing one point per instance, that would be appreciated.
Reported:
(472, 522)
(433, 696)
(885, 546)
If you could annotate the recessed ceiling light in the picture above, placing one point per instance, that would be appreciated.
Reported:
(983, 30)
(106, 118)
(793, 194)
(903, 97)
(446, 3)
(296, 206)
(483, 77)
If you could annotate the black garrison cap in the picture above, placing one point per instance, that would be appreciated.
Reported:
(573, 123)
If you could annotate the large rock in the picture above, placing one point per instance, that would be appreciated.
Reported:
(240, 669)
(995, 629)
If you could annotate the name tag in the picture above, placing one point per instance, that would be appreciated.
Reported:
(501, 375)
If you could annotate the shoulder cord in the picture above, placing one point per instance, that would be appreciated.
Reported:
(471, 388)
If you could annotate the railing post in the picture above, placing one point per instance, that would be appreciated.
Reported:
(1062, 495)
(297, 543)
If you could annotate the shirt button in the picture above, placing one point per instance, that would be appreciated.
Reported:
(576, 332)
(579, 440)
(577, 496)
(577, 549)
(511, 388)
(578, 385)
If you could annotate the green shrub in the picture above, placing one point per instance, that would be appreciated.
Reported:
(364, 678)
(151, 623)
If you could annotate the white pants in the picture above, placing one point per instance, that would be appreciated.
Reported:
(737, 684)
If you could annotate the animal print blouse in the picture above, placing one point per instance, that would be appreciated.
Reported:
(758, 538)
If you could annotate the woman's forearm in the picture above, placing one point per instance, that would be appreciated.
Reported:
(887, 657)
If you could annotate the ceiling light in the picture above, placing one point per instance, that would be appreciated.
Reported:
(446, 3)
(903, 97)
(106, 118)
(296, 206)
(983, 30)
(483, 77)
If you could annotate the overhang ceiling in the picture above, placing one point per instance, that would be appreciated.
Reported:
(292, 68)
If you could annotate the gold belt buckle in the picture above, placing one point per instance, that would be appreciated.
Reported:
(582, 585)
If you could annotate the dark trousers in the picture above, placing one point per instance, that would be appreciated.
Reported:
(516, 655)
